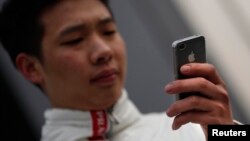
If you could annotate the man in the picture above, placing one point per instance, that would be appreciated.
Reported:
(72, 50)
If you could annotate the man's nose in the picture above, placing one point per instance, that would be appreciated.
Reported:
(102, 52)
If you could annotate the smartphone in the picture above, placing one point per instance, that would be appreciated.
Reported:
(188, 50)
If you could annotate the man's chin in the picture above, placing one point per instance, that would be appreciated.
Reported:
(107, 102)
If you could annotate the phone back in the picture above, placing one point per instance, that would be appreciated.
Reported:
(188, 50)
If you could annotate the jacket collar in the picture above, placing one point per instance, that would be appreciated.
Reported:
(109, 122)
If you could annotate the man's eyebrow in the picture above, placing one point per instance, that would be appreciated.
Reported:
(106, 20)
(71, 29)
(78, 27)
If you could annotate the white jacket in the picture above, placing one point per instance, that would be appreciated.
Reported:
(123, 123)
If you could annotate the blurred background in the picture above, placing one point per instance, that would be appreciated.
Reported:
(149, 27)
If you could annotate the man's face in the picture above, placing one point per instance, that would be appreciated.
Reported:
(84, 57)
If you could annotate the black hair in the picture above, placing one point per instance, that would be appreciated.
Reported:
(20, 26)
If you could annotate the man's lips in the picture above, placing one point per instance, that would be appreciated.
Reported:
(105, 77)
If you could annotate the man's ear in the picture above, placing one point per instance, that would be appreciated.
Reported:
(30, 67)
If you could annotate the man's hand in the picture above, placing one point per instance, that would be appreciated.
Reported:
(213, 108)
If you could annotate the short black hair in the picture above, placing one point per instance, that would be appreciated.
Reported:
(20, 26)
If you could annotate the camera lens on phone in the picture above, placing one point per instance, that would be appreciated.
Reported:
(182, 47)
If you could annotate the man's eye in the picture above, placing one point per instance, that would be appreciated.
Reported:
(109, 32)
(73, 41)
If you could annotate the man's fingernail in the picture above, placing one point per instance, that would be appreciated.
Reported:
(169, 87)
(185, 68)
(174, 127)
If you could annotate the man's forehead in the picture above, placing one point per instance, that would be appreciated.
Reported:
(76, 8)
(66, 6)
(73, 15)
